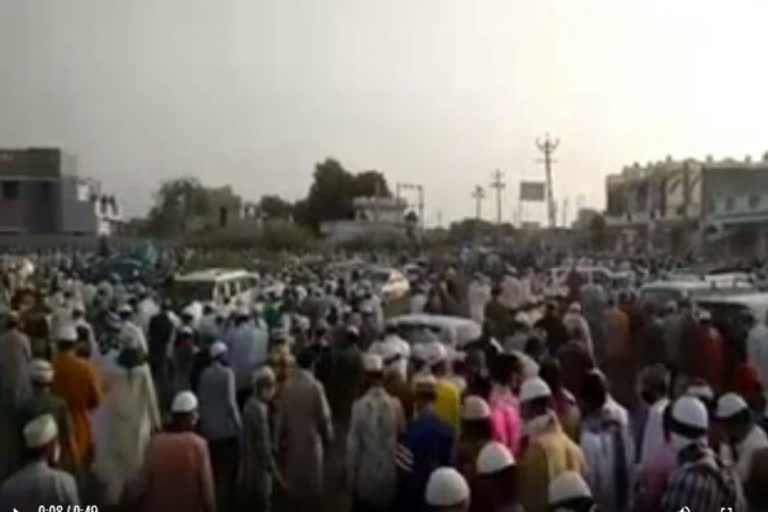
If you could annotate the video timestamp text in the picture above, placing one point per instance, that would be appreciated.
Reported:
(67, 508)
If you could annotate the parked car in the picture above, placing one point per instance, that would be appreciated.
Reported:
(452, 330)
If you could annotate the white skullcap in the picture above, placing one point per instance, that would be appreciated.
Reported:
(475, 408)
(690, 411)
(424, 380)
(575, 307)
(372, 363)
(41, 371)
(185, 329)
(568, 486)
(494, 457)
(67, 333)
(264, 373)
(705, 316)
(522, 318)
(217, 349)
(351, 329)
(436, 353)
(184, 402)
(446, 488)
(701, 391)
(458, 355)
(534, 388)
(125, 309)
(40, 431)
(419, 352)
(730, 404)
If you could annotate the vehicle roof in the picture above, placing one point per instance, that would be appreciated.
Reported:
(435, 320)
(751, 300)
(683, 285)
(213, 274)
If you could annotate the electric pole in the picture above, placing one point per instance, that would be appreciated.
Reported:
(499, 185)
(547, 147)
(478, 195)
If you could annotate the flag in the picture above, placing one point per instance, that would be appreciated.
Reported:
(532, 191)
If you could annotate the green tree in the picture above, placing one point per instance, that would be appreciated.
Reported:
(333, 191)
(275, 207)
(174, 201)
(598, 231)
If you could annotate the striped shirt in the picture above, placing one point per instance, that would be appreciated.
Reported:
(702, 482)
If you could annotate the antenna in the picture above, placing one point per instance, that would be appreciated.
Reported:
(498, 184)
(478, 195)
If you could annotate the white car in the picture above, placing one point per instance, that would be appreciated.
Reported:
(390, 283)
(454, 331)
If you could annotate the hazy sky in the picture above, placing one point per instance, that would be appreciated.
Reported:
(439, 92)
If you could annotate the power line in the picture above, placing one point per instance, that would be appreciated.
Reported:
(478, 195)
(498, 184)
(547, 147)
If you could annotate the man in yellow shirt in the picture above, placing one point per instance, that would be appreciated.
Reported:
(549, 453)
(448, 396)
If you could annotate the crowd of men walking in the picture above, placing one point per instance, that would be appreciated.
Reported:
(592, 403)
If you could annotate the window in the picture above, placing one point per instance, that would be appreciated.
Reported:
(729, 204)
(10, 190)
(754, 201)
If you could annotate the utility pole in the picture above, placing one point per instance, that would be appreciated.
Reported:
(478, 195)
(499, 185)
(420, 197)
(565, 212)
(547, 147)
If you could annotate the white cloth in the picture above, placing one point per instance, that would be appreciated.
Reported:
(757, 350)
(478, 296)
(576, 322)
(742, 459)
(653, 435)
(418, 303)
(129, 414)
(512, 293)
(248, 346)
(391, 346)
(133, 335)
(146, 309)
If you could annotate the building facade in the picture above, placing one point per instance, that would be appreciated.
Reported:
(40, 193)
(374, 216)
(688, 204)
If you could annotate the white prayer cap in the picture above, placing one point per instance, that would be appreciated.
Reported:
(265, 373)
(690, 411)
(704, 316)
(534, 388)
(475, 408)
(424, 380)
(125, 309)
(494, 457)
(373, 363)
(67, 333)
(41, 371)
(729, 405)
(446, 488)
(701, 391)
(243, 312)
(436, 353)
(575, 307)
(351, 329)
(184, 402)
(419, 352)
(522, 318)
(568, 486)
(217, 349)
(185, 329)
(40, 431)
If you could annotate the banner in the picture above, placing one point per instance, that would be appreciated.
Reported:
(532, 191)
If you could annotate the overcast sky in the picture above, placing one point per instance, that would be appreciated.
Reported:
(438, 92)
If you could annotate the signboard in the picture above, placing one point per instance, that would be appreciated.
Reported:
(532, 191)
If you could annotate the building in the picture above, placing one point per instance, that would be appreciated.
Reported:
(41, 193)
(373, 216)
(225, 209)
(681, 205)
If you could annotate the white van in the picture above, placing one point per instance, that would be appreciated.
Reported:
(217, 286)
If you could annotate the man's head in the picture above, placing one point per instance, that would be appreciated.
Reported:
(535, 398)
(569, 492)
(184, 411)
(654, 383)
(734, 417)
(476, 419)
(66, 338)
(447, 491)
(497, 474)
(12, 320)
(424, 390)
(689, 423)
(373, 366)
(594, 392)
(41, 439)
(125, 311)
(265, 383)
(41, 373)
(218, 352)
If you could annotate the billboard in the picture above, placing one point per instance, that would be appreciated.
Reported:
(532, 191)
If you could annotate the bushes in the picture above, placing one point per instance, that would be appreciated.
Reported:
(271, 236)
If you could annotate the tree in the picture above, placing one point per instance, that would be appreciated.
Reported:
(174, 201)
(275, 207)
(333, 191)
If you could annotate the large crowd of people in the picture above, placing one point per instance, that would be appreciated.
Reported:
(308, 399)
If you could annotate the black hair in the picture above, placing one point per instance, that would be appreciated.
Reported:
(594, 391)
(549, 371)
(305, 359)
